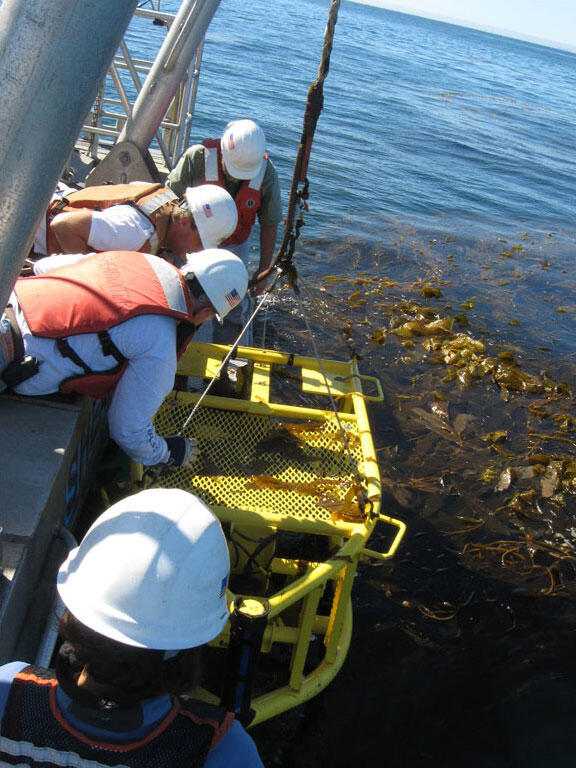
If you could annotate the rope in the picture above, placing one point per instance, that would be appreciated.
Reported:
(327, 318)
(154, 474)
(363, 500)
(282, 261)
(298, 196)
(231, 351)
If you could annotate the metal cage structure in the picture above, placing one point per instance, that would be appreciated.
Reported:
(287, 492)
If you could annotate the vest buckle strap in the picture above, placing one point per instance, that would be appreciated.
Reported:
(109, 348)
(16, 366)
(66, 351)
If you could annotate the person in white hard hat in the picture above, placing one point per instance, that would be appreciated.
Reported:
(143, 591)
(115, 323)
(238, 163)
(204, 217)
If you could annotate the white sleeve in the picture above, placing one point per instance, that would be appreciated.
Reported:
(149, 344)
(120, 227)
(58, 260)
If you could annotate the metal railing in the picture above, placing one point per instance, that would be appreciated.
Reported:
(116, 97)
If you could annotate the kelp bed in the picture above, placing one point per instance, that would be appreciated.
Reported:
(478, 435)
(476, 439)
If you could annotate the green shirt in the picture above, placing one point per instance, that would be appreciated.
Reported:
(189, 172)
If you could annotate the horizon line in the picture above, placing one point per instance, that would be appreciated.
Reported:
(499, 31)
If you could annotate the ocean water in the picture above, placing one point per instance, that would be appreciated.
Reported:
(430, 134)
(442, 185)
(421, 118)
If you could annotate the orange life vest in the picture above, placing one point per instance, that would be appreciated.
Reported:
(248, 197)
(96, 294)
(145, 196)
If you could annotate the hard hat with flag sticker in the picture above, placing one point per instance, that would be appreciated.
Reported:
(151, 572)
(243, 146)
(214, 211)
(222, 276)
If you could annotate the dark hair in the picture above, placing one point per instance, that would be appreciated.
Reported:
(197, 291)
(194, 287)
(125, 673)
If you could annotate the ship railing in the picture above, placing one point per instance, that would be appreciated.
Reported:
(115, 101)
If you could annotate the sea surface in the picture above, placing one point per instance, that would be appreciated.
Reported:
(439, 241)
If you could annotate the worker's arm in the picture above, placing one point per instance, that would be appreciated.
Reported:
(71, 230)
(149, 344)
(236, 750)
(269, 216)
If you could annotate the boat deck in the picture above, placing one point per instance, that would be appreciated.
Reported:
(48, 448)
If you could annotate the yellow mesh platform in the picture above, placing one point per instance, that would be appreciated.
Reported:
(270, 464)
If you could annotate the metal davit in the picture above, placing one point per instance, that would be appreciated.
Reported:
(298, 508)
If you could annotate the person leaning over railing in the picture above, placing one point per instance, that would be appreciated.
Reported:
(237, 162)
(116, 323)
(156, 222)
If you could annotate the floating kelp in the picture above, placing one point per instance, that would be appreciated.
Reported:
(339, 497)
(477, 433)
(465, 355)
(539, 569)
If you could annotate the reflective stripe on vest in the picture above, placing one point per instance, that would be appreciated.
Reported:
(34, 729)
(247, 199)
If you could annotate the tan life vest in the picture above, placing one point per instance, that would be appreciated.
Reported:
(145, 196)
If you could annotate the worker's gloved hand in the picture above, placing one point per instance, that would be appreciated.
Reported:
(183, 451)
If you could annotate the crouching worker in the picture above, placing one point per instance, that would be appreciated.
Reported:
(203, 218)
(117, 323)
(148, 580)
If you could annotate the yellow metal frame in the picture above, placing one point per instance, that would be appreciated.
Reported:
(313, 493)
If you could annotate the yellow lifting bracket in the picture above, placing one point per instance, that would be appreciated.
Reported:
(298, 507)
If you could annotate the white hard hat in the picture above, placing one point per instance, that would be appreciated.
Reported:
(214, 211)
(151, 572)
(243, 147)
(222, 276)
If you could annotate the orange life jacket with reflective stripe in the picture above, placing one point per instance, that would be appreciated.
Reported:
(247, 199)
(96, 294)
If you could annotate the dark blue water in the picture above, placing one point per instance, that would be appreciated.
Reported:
(446, 157)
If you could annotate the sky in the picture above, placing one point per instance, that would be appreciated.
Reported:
(551, 22)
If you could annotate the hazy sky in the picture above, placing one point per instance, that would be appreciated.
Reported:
(549, 21)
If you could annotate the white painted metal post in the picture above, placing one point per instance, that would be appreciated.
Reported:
(54, 55)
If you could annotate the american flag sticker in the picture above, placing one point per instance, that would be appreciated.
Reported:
(231, 144)
(207, 210)
(233, 297)
(223, 586)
